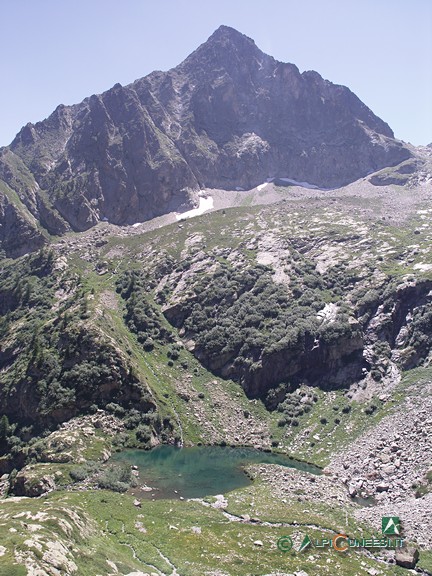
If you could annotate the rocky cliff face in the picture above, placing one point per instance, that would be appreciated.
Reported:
(229, 116)
(18, 234)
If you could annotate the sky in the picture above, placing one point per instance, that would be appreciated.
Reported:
(61, 51)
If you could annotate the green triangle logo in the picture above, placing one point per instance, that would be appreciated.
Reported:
(305, 544)
(391, 525)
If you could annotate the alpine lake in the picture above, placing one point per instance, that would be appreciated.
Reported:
(172, 472)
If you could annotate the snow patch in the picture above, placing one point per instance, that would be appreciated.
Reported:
(262, 186)
(204, 205)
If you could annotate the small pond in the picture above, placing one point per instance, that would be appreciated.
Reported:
(199, 471)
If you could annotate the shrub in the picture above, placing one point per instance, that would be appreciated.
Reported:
(117, 478)
(4, 427)
(115, 409)
(173, 353)
(148, 344)
(143, 433)
(132, 419)
(371, 298)
(370, 409)
(376, 374)
(81, 473)
(151, 418)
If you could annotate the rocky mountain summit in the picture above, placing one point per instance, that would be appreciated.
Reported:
(227, 117)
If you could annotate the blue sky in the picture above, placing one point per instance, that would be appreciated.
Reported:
(60, 51)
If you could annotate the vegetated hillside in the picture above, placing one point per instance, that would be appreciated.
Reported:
(271, 298)
(229, 116)
(57, 362)
(284, 326)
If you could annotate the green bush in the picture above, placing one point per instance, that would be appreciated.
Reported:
(82, 472)
(143, 433)
(117, 478)
(376, 375)
(370, 409)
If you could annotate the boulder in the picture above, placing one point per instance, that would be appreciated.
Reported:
(29, 483)
(407, 557)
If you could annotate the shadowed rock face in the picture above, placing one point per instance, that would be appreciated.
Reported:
(18, 235)
(229, 116)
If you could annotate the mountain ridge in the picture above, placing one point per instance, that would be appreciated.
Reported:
(228, 116)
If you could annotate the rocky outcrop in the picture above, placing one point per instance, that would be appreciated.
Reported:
(229, 116)
(28, 484)
(318, 363)
(18, 233)
(329, 365)
(402, 318)
(395, 176)
(407, 557)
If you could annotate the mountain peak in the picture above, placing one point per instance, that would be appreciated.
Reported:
(229, 116)
(226, 44)
(227, 33)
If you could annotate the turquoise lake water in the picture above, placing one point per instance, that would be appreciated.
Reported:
(201, 470)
